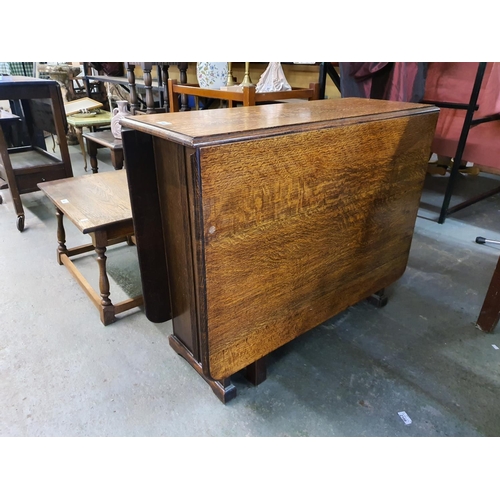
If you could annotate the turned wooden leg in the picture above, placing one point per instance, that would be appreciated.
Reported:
(378, 299)
(148, 85)
(107, 308)
(61, 236)
(79, 136)
(182, 80)
(164, 79)
(103, 276)
(92, 151)
(134, 100)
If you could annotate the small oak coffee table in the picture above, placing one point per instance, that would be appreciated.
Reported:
(98, 205)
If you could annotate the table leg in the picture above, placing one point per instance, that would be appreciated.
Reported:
(61, 236)
(79, 136)
(107, 309)
(92, 151)
(117, 158)
(256, 372)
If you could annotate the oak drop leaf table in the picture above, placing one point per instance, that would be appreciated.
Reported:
(256, 224)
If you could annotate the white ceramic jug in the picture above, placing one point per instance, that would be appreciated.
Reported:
(118, 114)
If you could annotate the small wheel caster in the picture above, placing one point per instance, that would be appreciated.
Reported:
(20, 223)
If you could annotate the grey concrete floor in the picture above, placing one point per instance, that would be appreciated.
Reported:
(62, 373)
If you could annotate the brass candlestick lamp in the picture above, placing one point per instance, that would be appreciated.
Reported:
(230, 79)
(246, 79)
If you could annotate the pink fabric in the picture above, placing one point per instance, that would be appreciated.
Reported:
(361, 70)
(453, 82)
(393, 81)
(404, 76)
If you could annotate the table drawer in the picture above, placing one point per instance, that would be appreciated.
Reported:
(27, 183)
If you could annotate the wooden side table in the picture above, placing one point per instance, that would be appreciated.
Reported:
(98, 205)
(104, 139)
(22, 168)
(89, 120)
(248, 96)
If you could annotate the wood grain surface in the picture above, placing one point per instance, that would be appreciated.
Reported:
(91, 201)
(297, 228)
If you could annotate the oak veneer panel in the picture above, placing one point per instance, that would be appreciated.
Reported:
(297, 228)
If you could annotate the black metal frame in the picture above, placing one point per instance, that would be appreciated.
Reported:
(327, 69)
(468, 123)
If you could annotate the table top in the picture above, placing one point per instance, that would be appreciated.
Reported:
(91, 201)
(211, 126)
(78, 105)
(80, 120)
(105, 138)
(25, 87)
(25, 80)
